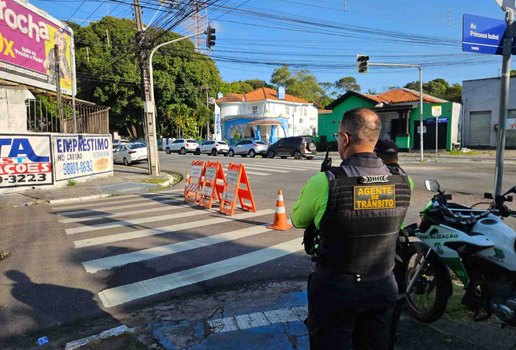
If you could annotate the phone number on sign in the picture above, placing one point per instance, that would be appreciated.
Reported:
(23, 178)
(75, 168)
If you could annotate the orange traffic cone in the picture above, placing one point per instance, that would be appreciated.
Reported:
(187, 183)
(280, 216)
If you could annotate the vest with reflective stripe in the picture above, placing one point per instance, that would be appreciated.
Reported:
(360, 241)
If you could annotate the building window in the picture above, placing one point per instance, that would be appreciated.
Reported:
(287, 110)
(304, 112)
(301, 120)
(255, 109)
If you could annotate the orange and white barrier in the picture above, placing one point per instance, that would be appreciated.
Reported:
(213, 184)
(196, 175)
(237, 186)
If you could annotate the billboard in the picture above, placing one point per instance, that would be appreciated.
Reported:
(27, 39)
(25, 160)
(82, 155)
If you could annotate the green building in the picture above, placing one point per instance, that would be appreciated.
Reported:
(400, 114)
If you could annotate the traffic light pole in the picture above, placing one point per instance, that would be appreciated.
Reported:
(420, 96)
(151, 78)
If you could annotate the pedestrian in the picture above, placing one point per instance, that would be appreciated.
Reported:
(356, 211)
(388, 152)
(4, 255)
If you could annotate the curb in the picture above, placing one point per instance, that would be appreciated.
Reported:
(79, 199)
(113, 332)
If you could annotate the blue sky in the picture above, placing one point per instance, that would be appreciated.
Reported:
(256, 36)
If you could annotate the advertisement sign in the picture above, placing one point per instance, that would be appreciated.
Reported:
(25, 160)
(81, 155)
(27, 39)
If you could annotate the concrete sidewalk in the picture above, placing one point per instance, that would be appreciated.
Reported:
(125, 180)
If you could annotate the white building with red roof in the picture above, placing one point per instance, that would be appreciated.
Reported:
(265, 114)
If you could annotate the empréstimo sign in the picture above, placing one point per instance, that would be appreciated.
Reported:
(374, 197)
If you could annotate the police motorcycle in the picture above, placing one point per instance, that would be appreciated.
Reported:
(475, 244)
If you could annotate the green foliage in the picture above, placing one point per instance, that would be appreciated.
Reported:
(109, 74)
(347, 84)
(301, 83)
(439, 88)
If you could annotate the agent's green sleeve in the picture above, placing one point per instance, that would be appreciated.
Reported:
(311, 204)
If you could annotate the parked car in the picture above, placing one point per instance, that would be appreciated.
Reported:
(295, 146)
(213, 148)
(130, 153)
(249, 147)
(118, 142)
(181, 146)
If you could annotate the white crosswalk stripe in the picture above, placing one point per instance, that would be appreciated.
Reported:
(116, 199)
(123, 294)
(166, 229)
(108, 225)
(192, 230)
(93, 266)
(126, 213)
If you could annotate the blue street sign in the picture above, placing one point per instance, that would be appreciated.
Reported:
(483, 35)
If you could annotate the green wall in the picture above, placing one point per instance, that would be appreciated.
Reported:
(329, 123)
(427, 114)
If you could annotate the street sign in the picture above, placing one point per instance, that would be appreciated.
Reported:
(437, 111)
(504, 4)
(483, 35)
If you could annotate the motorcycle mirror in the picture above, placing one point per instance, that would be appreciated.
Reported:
(432, 185)
(488, 195)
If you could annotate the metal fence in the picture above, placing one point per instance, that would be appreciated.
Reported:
(43, 116)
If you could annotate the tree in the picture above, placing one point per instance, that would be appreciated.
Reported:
(439, 88)
(282, 76)
(347, 84)
(302, 83)
(108, 74)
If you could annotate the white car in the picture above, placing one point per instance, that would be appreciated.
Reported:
(213, 148)
(118, 142)
(249, 147)
(130, 153)
(182, 146)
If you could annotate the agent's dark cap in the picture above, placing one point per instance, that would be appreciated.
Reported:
(386, 147)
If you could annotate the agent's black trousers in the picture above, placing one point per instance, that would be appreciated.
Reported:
(342, 313)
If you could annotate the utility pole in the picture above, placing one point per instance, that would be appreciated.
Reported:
(57, 73)
(208, 121)
(504, 99)
(148, 105)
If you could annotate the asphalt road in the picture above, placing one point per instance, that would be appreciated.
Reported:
(54, 279)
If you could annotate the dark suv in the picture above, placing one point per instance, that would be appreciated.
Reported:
(295, 146)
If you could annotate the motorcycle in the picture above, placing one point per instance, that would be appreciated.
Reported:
(475, 244)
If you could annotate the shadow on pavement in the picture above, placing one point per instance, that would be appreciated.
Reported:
(49, 306)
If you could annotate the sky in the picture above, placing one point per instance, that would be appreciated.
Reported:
(254, 37)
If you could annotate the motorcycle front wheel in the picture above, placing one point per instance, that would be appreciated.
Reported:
(427, 299)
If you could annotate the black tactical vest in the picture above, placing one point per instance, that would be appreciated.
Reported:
(360, 226)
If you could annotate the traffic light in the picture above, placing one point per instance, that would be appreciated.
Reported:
(210, 37)
(362, 63)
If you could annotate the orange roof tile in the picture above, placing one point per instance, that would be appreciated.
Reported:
(406, 95)
(231, 98)
(375, 98)
(260, 95)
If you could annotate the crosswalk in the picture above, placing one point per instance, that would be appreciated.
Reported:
(178, 244)
(266, 167)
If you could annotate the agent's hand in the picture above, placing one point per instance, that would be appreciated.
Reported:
(326, 164)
